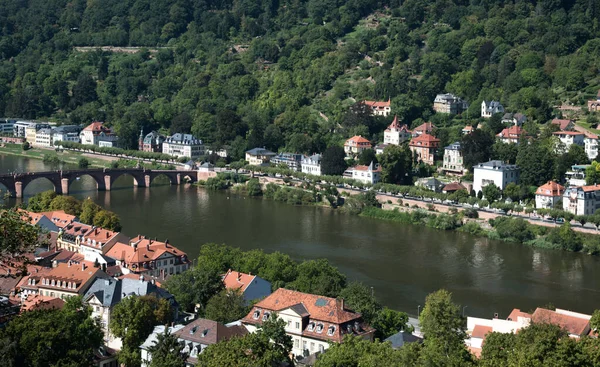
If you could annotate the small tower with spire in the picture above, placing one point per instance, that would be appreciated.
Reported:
(141, 140)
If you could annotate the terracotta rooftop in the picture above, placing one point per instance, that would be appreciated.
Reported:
(30, 217)
(366, 168)
(426, 127)
(567, 133)
(468, 128)
(590, 188)
(59, 217)
(66, 277)
(39, 302)
(143, 250)
(424, 140)
(396, 125)
(562, 124)
(76, 229)
(209, 332)
(454, 186)
(479, 331)
(573, 325)
(98, 237)
(378, 103)
(358, 140)
(516, 313)
(237, 280)
(512, 132)
(97, 127)
(550, 188)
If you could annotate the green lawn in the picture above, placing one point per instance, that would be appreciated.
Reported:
(66, 156)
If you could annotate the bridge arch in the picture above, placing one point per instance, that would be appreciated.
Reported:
(189, 177)
(170, 176)
(99, 179)
(138, 178)
(25, 182)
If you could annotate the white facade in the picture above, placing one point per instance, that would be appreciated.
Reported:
(369, 175)
(583, 200)
(495, 172)
(312, 165)
(453, 158)
(568, 138)
(396, 134)
(591, 146)
(183, 145)
(490, 108)
(19, 127)
(108, 141)
(449, 103)
(496, 325)
(43, 138)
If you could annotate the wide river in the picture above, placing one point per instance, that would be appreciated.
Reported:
(403, 263)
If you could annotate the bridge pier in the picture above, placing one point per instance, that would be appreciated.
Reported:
(107, 182)
(139, 182)
(179, 179)
(18, 189)
(64, 183)
(147, 180)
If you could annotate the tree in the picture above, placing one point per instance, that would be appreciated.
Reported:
(181, 123)
(497, 349)
(83, 162)
(444, 330)
(133, 319)
(195, 286)
(388, 322)
(226, 306)
(565, 237)
(396, 165)
(358, 297)
(17, 235)
(84, 90)
(55, 337)
(333, 161)
(476, 148)
(366, 157)
(491, 192)
(536, 163)
(319, 277)
(167, 351)
(253, 187)
(355, 352)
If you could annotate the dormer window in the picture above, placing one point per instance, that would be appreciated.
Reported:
(319, 328)
(330, 330)
(266, 316)
(311, 326)
(256, 314)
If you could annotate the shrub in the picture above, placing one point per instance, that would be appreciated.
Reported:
(471, 213)
(83, 162)
(26, 146)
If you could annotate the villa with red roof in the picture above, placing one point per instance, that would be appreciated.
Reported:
(563, 125)
(251, 286)
(356, 145)
(547, 195)
(581, 200)
(380, 108)
(424, 128)
(97, 134)
(313, 322)
(511, 134)
(424, 147)
(369, 175)
(568, 138)
(395, 133)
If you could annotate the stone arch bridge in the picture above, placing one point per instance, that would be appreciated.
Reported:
(16, 183)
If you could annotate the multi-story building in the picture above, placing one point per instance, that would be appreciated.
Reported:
(68, 133)
(594, 104)
(96, 242)
(19, 127)
(30, 134)
(576, 175)
(564, 125)
(467, 130)
(548, 195)
(96, 132)
(313, 322)
(291, 160)
(259, 156)
(356, 145)
(591, 145)
(568, 138)
(453, 159)
(490, 108)
(147, 256)
(424, 148)
(517, 119)
(424, 128)
(64, 279)
(152, 142)
(478, 328)
(395, 133)
(183, 145)
(252, 287)
(581, 200)
(496, 172)
(43, 138)
(70, 236)
(369, 175)
(7, 126)
(312, 165)
(380, 108)
(511, 134)
(449, 103)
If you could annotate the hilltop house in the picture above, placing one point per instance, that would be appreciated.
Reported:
(511, 134)
(581, 200)
(564, 125)
(424, 148)
(379, 108)
(424, 128)
(251, 286)
(568, 138)
(355, 145)
(548, 195)
(490, 108)
(183, 145)
(449, 103)
(496, 172)
(516, 119)
(313, 322)
(453, 159)
(395, 133)
(259, 156)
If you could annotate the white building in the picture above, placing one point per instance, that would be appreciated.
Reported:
(291, 160)
(496, 172)
(396, 134)
(548, 195)
(453, 159)
(183, 145)
(478, 328)
(312, 165)
(19, 127)
(66, 133)
(380, 108)
(96, 132)
(449, 103)
(259, 156)
(568, 138)
(582, 200)
(490, 108)
(370, 174)
(43, 138)
(591, 145)
(7, 126)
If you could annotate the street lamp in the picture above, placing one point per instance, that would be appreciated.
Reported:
(463, 313)
(418, 310)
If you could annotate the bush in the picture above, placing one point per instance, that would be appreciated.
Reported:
(83, 162)
(253, 187)
(26, 146)
(472, 228)
(471, 213)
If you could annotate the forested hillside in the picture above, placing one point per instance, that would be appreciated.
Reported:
(282, 74)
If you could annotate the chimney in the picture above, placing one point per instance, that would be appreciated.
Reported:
(96, 231)
(342, 302)
(239, 276)
(82, 267)
(107, 235)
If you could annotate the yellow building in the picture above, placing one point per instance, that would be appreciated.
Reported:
(30, 134)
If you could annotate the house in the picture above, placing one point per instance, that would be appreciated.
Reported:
(291, 160)
(369, 175)
(59, 218)
(568, 138)
(195, 336)
(183, 145)
(575, 324)
(68, 133)
(152, 142)
(379, 148)
(30, 133)
(424, 128)
(594, 104)
(496, 172)
(581, 200)
(96, 242)
(251, 286)
(206, 167)
(147, 256)
(38, 219)
(548, 195)
(19, 128)
(424, 148)
(395, 133)
(313, 322)
(104, 294)
(43, 138)
(511, 134)
(402, 338)
(379, 108)
(453, 159)
(259, 156)
(467, 130)
(590, 143)
(453, 187)
(38, 302)
(95, 133)
(431, 183)
(69, 237)
(478, 328)
(490, 108)
(516, 119)
(189, 165)
(564, 125)
(449, 103)
(312, 165)
(576, 176)
(356, 145)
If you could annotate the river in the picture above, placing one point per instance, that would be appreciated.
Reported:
(403, 263)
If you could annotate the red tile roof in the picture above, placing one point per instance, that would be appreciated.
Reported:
(366, 168)
(567, 133)
(425, 140)
(513, 132)
(590, 188)
(562, 124)
(468, 128)
(550, 188)
(237, 280)
(97, 127)
(516, 313)
(30, 217)
(64, 275)
(39, 302)
(97, 237)
(143, 250)
(454, 186)
(573, 325)
(396, 125)
(378, 104)
(479, 331)
(358, 140)
(59, 217)
(426, 127)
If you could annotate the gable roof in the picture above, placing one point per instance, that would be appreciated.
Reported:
(97, 127)
(59, 217)
(260, 151)
(396, 125)
(426, 127)
(550, 188)
(209, 332)
(40, 302)
(378, 103)
(562, 132)
(237, 280)
(516, 313)
(562, 124)
(357, 139)
(143, 250)
(454, 186)
(425, 140)
(479, 331)
(512, 132)
(573, 325)
(110, 291)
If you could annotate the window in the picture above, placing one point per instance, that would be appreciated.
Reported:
(319, 328)
(266, 316)
(304, 345)
(256, 314)
(296, 343)
(312, 346)
(289, 323)
(330, 330)
(321, 348)
(297, 325)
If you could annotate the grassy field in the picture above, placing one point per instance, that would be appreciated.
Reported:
(66, 156)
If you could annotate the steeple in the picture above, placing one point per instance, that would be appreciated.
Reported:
(141, 140)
